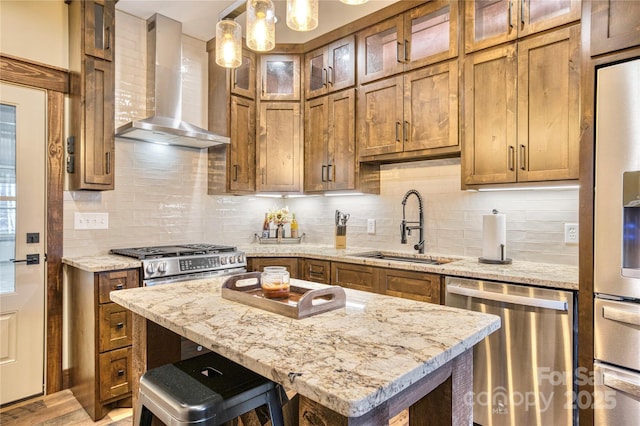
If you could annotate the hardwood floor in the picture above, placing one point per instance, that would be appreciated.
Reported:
(59, 409)
(62, 409)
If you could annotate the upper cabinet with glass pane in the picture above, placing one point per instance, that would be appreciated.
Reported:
(330, 68)
(99, 28)
(280, 78)
(491, 22)
(243, 78)
(421, 36)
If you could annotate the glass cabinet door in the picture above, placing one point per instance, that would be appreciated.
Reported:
(243, 78)
(490, 22)
(99, 19)
(380, 53)
(342, 64)
(431, 33)
(280, 77)
(316, 71)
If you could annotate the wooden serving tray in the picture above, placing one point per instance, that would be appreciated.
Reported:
(301, 303)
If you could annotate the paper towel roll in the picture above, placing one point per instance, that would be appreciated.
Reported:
(494, 233)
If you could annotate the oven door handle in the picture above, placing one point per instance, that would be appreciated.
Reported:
(556, 305)
(620, 384)
(620, 315)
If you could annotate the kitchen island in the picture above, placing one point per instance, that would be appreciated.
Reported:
(358, 365)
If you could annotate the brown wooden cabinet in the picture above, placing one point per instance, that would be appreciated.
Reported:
(279, 148)
(489, 23)
(330, 68)
(257, 264)
(522, 111)
(315, 270)
(100, 340)
(614, 25)
(421, 286)
(90, 148)
(421, 36)
(358, 277)
(280, 77)
(232, 112)
(415, 114)
(330, 143)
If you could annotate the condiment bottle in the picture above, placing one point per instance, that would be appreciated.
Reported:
(265, 227)
(294, 227)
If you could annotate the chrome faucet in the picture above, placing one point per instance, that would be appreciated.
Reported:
(406, 228)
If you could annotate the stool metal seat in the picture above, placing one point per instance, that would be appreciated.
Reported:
(206, 390)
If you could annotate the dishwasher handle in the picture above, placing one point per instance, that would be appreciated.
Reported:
(557, 305)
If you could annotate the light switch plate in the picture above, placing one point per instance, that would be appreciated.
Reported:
(371, 226)
(91, 220)
(571, 233)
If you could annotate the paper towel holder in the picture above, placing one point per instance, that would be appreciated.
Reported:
(501, 261)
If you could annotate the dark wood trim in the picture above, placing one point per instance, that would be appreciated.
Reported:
(34, 74)
(56, 82)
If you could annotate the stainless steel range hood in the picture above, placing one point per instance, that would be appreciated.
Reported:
(164, 123)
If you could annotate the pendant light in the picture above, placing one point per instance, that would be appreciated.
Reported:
(354, 2)
(228, 43)
(302, 15)
(261, 25)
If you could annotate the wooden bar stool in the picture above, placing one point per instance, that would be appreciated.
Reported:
(206, 390)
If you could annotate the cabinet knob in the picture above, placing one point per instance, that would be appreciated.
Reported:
(120, 325)
(119, 286)
(120, 373)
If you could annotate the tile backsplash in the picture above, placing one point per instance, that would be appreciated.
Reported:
(161, 195)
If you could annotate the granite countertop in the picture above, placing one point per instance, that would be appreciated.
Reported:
(519, 272)
(101, 263)
(350, 359)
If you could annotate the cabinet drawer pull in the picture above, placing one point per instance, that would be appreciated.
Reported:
(398, 55)
(325, 77)
(522, 12)
(405, 131)
(312, 272)
(262, 175)
(119, 286)
(120, 325)
(406, 51)
(235, 172)
(108, 162)
(331, 76)
(324, 170)
(398, 124)
(511, 157)
(330, 177)
(120, 373)
(523, 157)
(107, 38)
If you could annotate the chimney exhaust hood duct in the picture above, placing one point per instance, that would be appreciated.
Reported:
(164, 93)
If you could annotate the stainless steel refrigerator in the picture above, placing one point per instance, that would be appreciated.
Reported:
(616, 398)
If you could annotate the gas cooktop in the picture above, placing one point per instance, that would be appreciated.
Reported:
(177, 250)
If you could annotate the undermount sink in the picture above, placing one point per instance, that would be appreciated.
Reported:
(400, 258)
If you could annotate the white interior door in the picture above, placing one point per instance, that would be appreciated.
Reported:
(22, 227)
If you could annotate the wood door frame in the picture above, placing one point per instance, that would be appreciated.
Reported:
(56, 83)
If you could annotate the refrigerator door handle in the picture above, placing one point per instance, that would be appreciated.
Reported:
(557, 305)
(620, 315)
(620, 384)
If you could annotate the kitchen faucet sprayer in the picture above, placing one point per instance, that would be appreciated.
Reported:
(405, 228)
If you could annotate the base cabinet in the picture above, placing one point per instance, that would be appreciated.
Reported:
(100, 340)
(257, 264)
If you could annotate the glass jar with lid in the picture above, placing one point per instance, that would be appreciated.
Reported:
(275, 282)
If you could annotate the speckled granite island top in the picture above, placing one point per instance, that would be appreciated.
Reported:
(519, 272)
(349, 360)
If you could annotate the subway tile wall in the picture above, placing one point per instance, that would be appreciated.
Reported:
(161, 195)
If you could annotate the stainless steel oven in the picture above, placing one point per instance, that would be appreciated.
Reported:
(183, 262)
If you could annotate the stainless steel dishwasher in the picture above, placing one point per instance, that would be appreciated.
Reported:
(523, 374)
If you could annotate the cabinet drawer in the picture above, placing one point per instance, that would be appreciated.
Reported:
(411, 285)
(318, 271)
(257, 264)
(116, 280)
(115, 373)
(358, 277)
(115, 327)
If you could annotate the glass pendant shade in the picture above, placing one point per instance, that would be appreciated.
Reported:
(302, 15)
(228, 43)
(261, 25)
(354, 2)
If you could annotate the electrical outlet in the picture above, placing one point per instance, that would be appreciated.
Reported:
(571, 233)
(91, 220)
(371, 226)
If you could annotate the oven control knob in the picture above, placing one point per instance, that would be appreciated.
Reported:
(223, 260)
(240, 258)
(162, 267)
(232, 259)
(151, 268)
